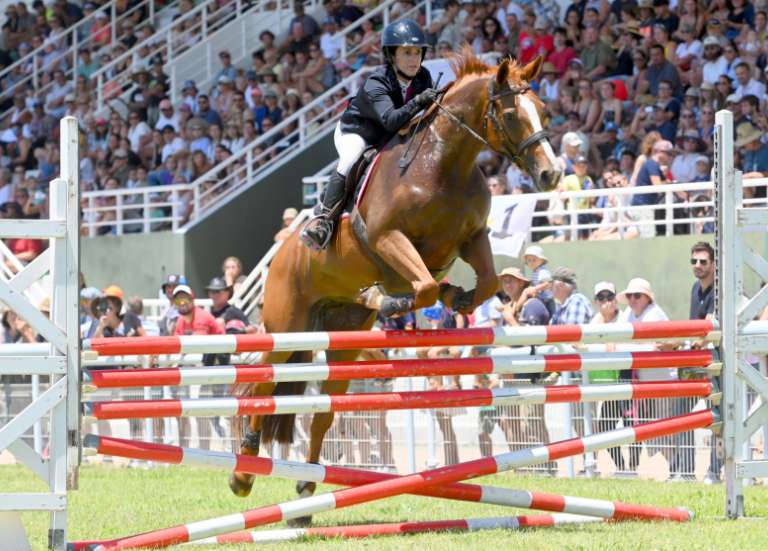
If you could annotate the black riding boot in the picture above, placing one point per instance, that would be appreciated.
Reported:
(318, 231)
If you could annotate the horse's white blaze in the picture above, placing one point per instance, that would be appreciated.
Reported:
(533, 116)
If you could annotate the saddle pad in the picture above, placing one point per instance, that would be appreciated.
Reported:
(364, 185)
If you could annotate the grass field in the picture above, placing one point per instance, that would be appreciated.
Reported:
(115, 501)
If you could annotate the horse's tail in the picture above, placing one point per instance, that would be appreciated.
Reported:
(280, 427)
(273, 427)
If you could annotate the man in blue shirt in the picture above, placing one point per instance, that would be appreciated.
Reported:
(572, 306)
(650, 173)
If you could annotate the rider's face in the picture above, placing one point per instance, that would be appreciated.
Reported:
(408, 60)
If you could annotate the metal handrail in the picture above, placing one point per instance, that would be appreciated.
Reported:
(162, 42)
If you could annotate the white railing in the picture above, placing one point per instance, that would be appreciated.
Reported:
(211, 190)
(283, 142)
(147, 209)
(136, 210)
(688, 205)
(114, 79)
(31, 67)
(383, 10)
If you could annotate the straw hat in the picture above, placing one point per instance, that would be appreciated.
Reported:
(747, 133)
(637, 285)
(514, 272)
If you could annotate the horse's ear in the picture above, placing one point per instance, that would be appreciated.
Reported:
(502, 73)
(529, 72)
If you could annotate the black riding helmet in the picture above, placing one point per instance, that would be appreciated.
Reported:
(405, 32)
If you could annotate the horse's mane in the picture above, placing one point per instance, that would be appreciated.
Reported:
(464, 64)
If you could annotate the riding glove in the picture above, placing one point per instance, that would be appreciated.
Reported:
(426, 97)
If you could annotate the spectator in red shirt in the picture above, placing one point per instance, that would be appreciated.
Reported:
(193, 320)
(539, 43)
(562, 53)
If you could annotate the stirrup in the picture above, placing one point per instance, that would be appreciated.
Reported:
(309, 235)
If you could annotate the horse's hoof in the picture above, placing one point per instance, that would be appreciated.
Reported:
(300, 522)
(240, 487)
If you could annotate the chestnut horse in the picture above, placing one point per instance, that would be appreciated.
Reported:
(408, 228)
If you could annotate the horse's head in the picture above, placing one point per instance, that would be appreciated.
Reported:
(514, 123)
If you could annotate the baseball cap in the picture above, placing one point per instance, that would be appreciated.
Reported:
(183, 289)
(534, 313)
(566, 275)
(572, 139)
(90, 293)
(604, 286)
(189, 84)
(234, 327)
(251, 75)
(224, 79)
(173, 279)
(113, 291)
(581, 159)
(711, 41)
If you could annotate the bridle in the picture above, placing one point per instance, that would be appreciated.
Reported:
(490, 116)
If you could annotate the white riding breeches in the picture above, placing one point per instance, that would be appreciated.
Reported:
(349, 147)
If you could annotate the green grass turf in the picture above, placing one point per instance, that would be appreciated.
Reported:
(114, 502)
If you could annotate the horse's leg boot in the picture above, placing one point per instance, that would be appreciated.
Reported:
(304, 489)
(241, 483)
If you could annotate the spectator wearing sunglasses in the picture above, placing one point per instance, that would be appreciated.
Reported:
(702, 295)
(610, 411)
(703, 307)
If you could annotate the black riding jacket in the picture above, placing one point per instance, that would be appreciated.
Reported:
(379, 110)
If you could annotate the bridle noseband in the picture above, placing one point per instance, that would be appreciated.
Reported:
(490, 116)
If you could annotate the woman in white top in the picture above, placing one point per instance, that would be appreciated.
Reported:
(643, 308)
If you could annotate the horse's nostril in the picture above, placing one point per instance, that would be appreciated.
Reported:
(547, 179)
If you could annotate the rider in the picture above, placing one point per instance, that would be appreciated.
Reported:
(387, 100)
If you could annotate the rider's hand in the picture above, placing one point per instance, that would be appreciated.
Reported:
(426, 97)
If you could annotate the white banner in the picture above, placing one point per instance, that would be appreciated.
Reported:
(509, 222)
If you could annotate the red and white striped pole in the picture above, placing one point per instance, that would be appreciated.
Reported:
(410, 483)
(395, 528)
(354, 340)
(281, 405)
(343, 371)
(344, 476)
(367, 530)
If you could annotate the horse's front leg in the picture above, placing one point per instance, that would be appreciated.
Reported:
(398, 251)
(477, 253)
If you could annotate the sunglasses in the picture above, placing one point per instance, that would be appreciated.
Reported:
(702, 261)
(604, 297)
(181, 300)
(635, 296)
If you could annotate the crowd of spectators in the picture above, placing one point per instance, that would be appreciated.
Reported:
(147, 140)
(631, 90)
(618, 77)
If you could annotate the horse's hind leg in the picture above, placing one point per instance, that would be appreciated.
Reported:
(241, 483)
(398, 251)
(321, 423)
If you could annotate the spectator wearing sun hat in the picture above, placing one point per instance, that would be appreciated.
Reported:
(512, 282)
(541, 277)
(550, 83)
(754, 153)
